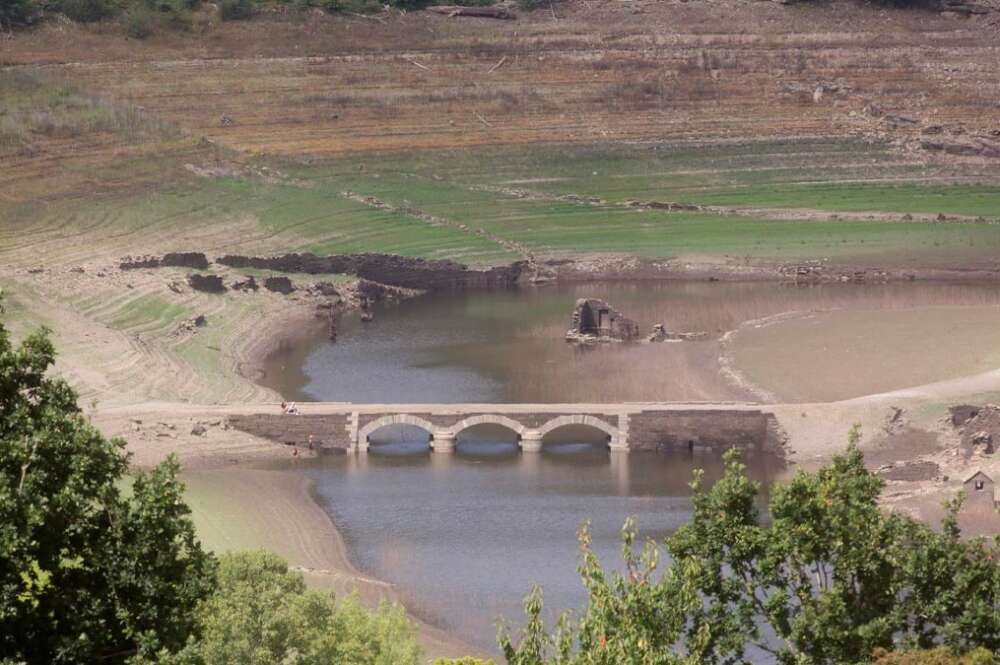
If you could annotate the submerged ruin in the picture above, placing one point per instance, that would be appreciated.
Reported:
(596, 321)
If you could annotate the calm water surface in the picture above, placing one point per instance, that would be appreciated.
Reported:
(465, 536)
(507, 346)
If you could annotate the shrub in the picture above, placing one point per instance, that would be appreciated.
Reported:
(262, 613)
(235, 10)
(938, 656)
(139, 23)
(828, 577)
(83, 11)
(17, 12)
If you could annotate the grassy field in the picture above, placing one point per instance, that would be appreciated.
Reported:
(834, 175)
(493, 206)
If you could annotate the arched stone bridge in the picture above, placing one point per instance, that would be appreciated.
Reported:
(625, 426)
(527, 428)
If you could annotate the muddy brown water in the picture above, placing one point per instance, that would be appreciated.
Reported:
(507, 346)
(464, 536)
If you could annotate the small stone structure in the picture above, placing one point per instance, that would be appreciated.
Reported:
(596, 321)
(980, 490)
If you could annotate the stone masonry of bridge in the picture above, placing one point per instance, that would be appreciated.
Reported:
(626, 426)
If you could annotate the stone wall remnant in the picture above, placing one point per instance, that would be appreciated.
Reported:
(402, 271)
(281, 285)
(196, 260)
(139, 262)
(596, 321)
(206, 283)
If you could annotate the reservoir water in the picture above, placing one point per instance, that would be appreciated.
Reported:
(465, 536)
(508, 346)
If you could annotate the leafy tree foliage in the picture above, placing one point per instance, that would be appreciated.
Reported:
(16, 12)
(86, 573)
(262, 614)
(830, 579)
(235, 10)
(938, 656)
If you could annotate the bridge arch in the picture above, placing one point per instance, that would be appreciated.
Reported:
(394, 419)
(588, 421)
(488, 419)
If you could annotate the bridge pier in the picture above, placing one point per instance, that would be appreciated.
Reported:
(443, 442)
(531, 442)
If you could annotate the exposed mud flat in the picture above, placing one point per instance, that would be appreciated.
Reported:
(829, 356)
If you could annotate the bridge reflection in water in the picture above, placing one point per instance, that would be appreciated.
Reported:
(496, 447)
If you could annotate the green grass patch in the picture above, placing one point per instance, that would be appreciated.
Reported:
(556, 226)
(972, 200)
(147, 313)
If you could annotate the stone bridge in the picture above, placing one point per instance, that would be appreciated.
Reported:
(648, 426)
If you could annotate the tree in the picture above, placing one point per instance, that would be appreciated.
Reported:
(937, 656)
(262, 614)
(86, 573)
(831, 579)
(16, 12)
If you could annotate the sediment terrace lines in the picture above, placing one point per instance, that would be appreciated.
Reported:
(570, 84)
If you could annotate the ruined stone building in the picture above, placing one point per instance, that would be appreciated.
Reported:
(596, 320)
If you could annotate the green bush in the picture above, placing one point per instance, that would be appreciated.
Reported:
(467, 660)
(16, 12)
(83, 11)
(262, 613)
(529, 5)
(938, 656)
(235, 10)
(828, 577)
(139, 23)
